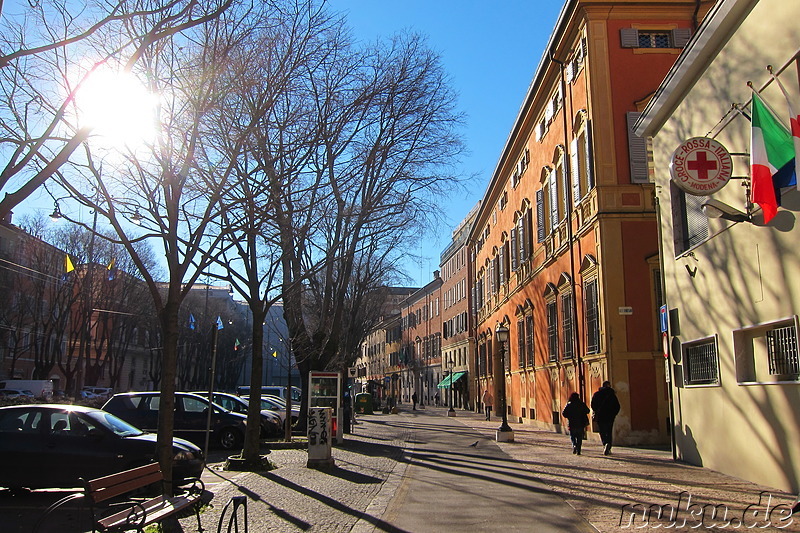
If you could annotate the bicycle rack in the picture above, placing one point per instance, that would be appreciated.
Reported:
(233, 520)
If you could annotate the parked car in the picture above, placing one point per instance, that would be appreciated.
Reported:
(191, 417)
(297, 393)
(271, 422)
(13, 394)
(54, 445)
(278, 405)
(92, 393)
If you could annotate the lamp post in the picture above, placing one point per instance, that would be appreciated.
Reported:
(450, 365)
(504, 432)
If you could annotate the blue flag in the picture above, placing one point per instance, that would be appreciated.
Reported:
(192, 321)
(219, 323)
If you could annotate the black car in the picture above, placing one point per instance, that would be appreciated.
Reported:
(53, 446)
(191, 417)
(271, 421)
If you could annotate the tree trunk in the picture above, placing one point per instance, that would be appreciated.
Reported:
(166, 411)
(251, 454)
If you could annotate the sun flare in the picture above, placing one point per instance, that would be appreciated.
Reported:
(118, 108)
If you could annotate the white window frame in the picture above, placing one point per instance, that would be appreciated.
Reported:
(685, 357)
(751, 353)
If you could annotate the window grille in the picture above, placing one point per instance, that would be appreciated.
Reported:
(489, 356)
(782, 351)
(592, 317)
(521, 343)
(701, 364)
(529, 338)
(552, 331)
(689, 222)
(654, 40)
(566, 325)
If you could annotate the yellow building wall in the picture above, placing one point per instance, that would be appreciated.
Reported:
(744, 274)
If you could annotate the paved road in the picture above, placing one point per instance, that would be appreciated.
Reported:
(457, 480)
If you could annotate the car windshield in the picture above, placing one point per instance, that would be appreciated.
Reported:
(266, 404)
(114, 424)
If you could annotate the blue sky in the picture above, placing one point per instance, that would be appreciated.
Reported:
(490, 50)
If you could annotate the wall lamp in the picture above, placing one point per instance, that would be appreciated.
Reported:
(716, 209)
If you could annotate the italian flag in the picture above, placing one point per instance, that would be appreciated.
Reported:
(794, 121)
(771, 158)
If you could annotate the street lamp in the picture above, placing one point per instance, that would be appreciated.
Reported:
(450, 365)
(504, 432)
(56, 214)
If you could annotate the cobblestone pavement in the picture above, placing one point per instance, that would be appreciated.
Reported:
(622, 491)
(292, 497)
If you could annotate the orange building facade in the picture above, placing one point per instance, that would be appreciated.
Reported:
(458, 341)
(421, 344)
(564, 248)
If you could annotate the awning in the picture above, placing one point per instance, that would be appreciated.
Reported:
(445, 383)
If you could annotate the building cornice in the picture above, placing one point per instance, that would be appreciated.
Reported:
(714, 32)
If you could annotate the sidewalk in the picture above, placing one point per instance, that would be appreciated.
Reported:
(600, 486)
(622, 491)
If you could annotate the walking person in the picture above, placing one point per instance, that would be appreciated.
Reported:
(487, 404)
(414, 401)
(606, 407)
(577, 414)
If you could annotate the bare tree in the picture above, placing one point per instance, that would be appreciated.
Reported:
(265, 121)
(384, 142)
(42, 54)
(173, 191)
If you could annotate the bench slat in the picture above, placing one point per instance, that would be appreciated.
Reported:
(107, 487)
(136, 512)
(156, 509)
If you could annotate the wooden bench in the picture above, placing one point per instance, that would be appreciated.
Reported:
(133, 513)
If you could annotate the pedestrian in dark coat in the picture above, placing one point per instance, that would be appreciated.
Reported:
(577, 414)
(606, 407)
(414, 401)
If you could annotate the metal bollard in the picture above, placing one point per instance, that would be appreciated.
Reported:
(237, 501)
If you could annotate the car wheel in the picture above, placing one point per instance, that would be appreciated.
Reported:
(229, 439)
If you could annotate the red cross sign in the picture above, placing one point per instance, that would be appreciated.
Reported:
(701, 166)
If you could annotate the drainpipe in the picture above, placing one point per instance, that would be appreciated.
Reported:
(578, 360)
(661, 280)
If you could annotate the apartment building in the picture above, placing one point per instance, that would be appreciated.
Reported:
(421, 346)
(565, 244)
(458, 386)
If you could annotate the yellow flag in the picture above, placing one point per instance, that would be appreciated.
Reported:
(275, 353)
(111, 264)
(68, 266)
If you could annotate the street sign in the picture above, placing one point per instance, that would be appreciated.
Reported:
(663, 318)
(351, 372)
